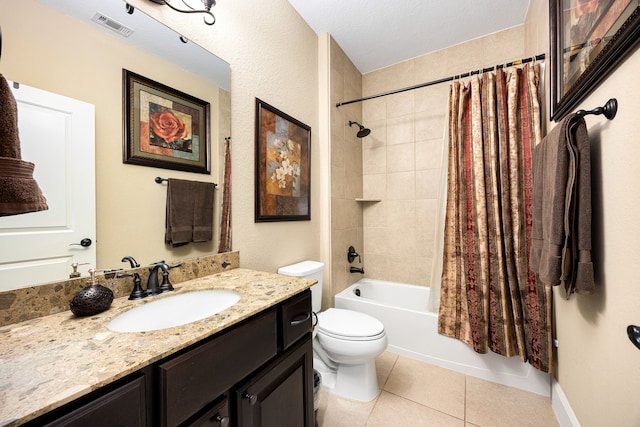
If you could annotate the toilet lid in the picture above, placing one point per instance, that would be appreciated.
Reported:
(348, 323)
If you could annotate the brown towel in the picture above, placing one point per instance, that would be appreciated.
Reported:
(19, 192)
(561, 245)
(189, 212)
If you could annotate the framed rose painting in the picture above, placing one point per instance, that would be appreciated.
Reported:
(283, 166)
(164, 128)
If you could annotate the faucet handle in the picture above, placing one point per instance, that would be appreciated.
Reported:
(352, 254)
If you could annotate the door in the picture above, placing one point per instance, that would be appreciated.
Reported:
(58, 135)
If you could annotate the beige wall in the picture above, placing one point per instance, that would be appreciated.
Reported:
(403, 154)
(599, 369)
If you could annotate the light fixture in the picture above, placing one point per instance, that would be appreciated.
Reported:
(209, 18)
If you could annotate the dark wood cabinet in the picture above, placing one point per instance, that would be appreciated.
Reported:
(281, 395)
(256, 373)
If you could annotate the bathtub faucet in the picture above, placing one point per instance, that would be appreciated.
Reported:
(356, 270)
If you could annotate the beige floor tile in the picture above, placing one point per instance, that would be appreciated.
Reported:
(429, 385)
(334, 411)
(384, 364)
(495, 405)
(391, 410)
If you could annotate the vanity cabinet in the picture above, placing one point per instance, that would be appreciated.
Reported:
(256, 373)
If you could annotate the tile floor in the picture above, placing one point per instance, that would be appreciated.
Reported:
(418, 394)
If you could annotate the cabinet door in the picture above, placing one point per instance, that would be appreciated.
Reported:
(124, 406)
(281, 395)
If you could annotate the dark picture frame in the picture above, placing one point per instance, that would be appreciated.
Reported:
(164, 127)
(283, 166)
(587, 40)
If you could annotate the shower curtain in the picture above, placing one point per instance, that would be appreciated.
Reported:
(489, 297)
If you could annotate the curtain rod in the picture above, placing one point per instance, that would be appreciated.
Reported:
(446, 79)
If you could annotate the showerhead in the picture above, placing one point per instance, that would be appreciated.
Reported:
(362, 132)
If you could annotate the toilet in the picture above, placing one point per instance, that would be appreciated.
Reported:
(345, 342)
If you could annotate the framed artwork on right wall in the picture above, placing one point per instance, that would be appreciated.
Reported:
(587, 40)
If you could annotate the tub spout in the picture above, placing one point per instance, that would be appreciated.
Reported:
(356, 270)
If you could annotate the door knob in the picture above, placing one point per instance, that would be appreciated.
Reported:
(85, 243)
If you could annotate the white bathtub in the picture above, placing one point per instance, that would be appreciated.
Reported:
(413, 332)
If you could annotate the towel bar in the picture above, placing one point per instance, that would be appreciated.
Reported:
(160, 180)
(609, 110)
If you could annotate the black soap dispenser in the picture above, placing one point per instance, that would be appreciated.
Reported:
(92, 299)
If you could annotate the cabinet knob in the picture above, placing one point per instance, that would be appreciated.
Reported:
(252, 398)
(221, 420)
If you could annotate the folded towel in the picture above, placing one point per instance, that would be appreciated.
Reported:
(189, 216)
(19, 192)
(561, 244)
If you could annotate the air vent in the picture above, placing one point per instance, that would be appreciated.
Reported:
(105, 21)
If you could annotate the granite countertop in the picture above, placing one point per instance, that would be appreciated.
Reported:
(52, 360)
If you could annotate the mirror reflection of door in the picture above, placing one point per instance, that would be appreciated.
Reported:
(58, 135)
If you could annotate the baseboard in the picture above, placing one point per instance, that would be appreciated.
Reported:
(561, 407)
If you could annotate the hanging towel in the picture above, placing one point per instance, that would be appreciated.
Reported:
(19, 192)
(561, 244)
(189, 216)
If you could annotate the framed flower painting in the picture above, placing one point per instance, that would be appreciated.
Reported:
(283, 166)
(164, 128)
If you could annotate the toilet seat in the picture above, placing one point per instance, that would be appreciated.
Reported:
(349, 325)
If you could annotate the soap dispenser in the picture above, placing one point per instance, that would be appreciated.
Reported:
(92, 299)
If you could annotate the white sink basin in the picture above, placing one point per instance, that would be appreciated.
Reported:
(173, 311)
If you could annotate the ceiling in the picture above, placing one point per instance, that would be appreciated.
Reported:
(375, 34)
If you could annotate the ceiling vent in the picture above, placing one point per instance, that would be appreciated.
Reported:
(105, 21)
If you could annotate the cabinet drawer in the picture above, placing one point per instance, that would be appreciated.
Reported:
(124, 406)
(194, 379)
(295, 318)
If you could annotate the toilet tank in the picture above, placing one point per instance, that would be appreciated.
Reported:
(308, 270)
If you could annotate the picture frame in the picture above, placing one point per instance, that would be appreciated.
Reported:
(283, 166)
(164, 127)
(588, 38)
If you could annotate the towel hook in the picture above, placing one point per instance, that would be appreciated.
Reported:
(609, 110)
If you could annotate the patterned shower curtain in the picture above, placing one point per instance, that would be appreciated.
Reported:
(489, 297)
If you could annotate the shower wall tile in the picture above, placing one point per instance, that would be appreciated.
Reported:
(374, 186)
(429, 125)
(424, 266)
(401, 185)
(427, 183)
(374, 160)
(402, 212)
(400, 104)
(400, 129)
(374, 110)
(375, 214)
(428, 154)
(400, 157)
(346, 171)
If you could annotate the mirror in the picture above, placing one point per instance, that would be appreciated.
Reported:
(55, 46)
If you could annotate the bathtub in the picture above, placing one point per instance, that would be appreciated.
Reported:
(413, 332)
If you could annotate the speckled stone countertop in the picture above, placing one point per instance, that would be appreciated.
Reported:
(52, 360)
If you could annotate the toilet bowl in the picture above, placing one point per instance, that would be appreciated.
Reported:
(345, 342)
